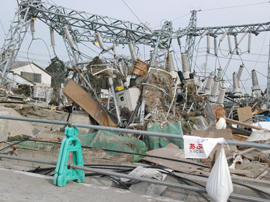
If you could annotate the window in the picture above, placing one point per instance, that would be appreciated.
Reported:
(32, 76)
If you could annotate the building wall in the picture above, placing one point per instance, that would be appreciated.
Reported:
(14, 79)
(31, 68)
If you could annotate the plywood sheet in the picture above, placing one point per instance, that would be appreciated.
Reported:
(245, 114)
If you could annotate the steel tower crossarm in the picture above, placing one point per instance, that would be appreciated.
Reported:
(85, 25)
(219, 30)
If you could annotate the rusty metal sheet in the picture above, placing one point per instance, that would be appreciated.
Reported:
(172, 151)
(245, 115)
(87, 102)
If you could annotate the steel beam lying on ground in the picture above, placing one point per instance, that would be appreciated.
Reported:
(121, 130)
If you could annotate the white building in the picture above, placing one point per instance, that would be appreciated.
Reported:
(31, 74)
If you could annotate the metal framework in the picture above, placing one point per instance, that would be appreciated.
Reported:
(190, 41)
(231, 30)
(84, 26)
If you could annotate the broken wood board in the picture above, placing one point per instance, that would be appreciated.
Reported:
(172, 151)
(241, 138)
(245, 173)
(87, 102)
(245, 114)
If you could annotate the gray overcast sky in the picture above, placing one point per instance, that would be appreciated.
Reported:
(155, 12)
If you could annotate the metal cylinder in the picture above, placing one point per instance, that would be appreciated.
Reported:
(185, 66)
(249, 42)
(99, 39)
(215, 46)
(208, 44)
(132, 52)
(229, 44)
(70, 41)
(240, 70)
(52, 37)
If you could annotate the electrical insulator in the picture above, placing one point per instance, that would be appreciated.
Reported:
(214, 92)
(52, 37)
(114, 49)
(236, 45)
(221, 95)
(32, 26)
(185, 66)
(132, 52)
(208, 85)
(229, 44)
(71, 43)
(205, 32)
(249, 42)
(99, 39)
(215, 46)
(208, 44)
(223, 36)
(242, 38)
(219, 74)
(240, 70)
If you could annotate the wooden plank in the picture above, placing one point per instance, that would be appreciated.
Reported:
(87, 102)
(172, 151)
(244, 124)
(245, 114)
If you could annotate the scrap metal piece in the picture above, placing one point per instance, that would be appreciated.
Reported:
(78, 95)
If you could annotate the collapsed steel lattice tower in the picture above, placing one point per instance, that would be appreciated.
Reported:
(83, 27)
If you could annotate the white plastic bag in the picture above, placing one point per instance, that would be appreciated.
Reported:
(199, 147)
(219, 184)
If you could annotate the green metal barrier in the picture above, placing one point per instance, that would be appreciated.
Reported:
(69, 144)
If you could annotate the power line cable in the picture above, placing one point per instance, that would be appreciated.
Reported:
(210, 9)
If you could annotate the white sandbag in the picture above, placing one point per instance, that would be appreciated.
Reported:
(219, 184)
(221, 124)
(199, 147)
